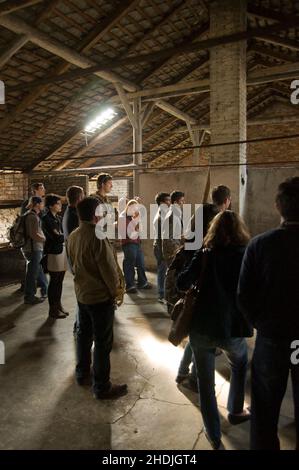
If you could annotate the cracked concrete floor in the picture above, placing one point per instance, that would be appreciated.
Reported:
(41, 407)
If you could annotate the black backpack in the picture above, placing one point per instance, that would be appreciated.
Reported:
(17, 232)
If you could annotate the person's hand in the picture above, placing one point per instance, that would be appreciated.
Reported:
(119, 299)
(120, 291)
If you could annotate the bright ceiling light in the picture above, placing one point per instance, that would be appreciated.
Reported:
(100, 120)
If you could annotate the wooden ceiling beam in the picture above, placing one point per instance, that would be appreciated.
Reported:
(85, 45)
(165, 18)
(198, 64)
(267, 14)
(270, 52)
(20, 41)
(79, 73)
(96, 34)
(43, 40)
(148, 135)
(185, 47)
(12, 5)
(95, 140)
(279, 41)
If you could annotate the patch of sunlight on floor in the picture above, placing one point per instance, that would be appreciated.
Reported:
(161, 352)
(166, 355)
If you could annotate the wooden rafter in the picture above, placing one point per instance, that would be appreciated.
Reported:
(88, 43)
(279, 41)
(79, 73)
(197, 65)
(271, 52)
(84, 46)
(267, 14)
(19, 42)
(162, 61)
(51, 45)
(146, 137)
(95, 140)
(12, 5)
(104, 69)
(127, 134)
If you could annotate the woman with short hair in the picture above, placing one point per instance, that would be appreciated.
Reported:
(56, 255)
(217, 322)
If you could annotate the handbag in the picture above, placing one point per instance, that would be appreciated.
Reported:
(183, 309)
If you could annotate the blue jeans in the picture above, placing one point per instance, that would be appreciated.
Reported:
(269, 377)
(133, 257)
(34, 274)
(161, 271)
(235, 350)
(186, 361)
(95, 325)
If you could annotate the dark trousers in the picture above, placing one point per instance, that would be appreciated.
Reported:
(95, 325)
(271, 365)
(55, 287)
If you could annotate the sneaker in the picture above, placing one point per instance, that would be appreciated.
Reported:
(146, 286)
(34, 301)
(131, 290)
(115, 391)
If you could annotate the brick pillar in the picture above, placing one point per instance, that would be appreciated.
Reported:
(228, 97)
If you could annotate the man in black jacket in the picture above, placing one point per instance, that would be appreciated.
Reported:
(70, 222)
(163, 202)
(268, 296)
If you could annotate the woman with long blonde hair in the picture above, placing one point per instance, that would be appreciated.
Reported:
(217, 322)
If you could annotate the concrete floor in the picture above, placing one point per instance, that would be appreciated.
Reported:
(41, 407)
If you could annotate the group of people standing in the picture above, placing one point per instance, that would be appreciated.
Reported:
(244, 285)
(44, 249)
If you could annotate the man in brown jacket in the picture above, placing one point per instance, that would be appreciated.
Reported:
(98, 286)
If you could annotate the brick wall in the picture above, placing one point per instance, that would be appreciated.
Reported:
(13, 186)
(7, 218)
(59, 184)
(120, 187)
